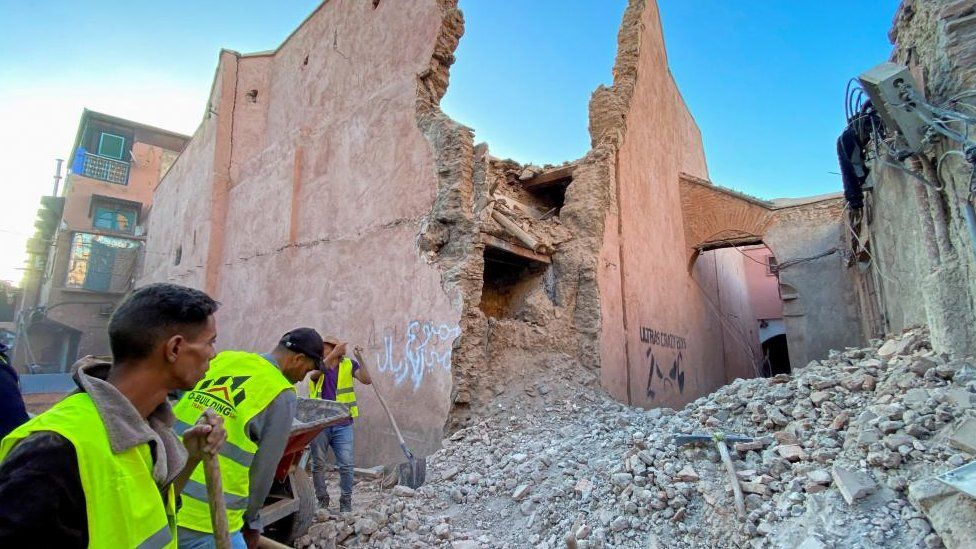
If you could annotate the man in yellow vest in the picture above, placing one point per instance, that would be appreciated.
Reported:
(102, 467)
(255, 395)
(335, 382)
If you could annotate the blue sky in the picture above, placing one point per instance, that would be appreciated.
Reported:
(764, 79)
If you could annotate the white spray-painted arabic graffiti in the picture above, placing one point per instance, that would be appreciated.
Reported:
(427, 346)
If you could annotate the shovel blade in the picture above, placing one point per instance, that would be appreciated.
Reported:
(413, 473)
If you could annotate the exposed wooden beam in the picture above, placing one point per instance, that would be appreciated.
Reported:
(499, 244)
(558, 176)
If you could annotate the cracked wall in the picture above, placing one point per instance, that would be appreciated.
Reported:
(309, 195)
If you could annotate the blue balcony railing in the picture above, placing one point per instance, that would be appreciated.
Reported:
(104, 168)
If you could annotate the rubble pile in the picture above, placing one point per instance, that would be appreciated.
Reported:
(839, 451)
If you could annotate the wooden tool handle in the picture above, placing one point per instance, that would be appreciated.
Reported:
(215, 499)
(740, 504)
(266, 543)
(362, 364)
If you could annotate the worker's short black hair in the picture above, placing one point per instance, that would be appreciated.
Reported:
(154, 313)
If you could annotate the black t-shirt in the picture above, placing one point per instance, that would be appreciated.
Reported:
(12, 411)
(42, 503)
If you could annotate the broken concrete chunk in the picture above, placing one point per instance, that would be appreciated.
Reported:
(818, 397)
(784, 437)
(853, 485)
(450, 473)
(819, 476)
(621, 479)
(960, 398)
(754, 445)
(820, 383)
(964, 437)
(840, 421)
(687, 474)
(777, 417)
(755, 488)
(520, 492)
(951, 513)
(584, 487)
(791, 452)
(894, 347)
(404, 491)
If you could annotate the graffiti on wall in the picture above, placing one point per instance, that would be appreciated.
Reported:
(663, 344)
(426, 347)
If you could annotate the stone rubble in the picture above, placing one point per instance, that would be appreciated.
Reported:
(836, 448)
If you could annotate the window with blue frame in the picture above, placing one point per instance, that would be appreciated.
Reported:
(111, 145)
(115, 218)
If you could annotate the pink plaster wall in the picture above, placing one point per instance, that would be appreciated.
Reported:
(180, 216)
(763, 287)
(740, 332)
(671, 309)
(329, 153)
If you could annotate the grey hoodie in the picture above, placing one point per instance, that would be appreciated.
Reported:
(126, 427)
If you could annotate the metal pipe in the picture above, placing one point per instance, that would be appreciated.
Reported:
(969, 213)
(57, 176)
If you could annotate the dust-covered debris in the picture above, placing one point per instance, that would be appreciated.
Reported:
(830, 473)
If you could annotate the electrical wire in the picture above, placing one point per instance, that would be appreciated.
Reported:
(972, 173)
(797, 261)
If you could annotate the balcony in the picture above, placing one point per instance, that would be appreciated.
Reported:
(103, 168)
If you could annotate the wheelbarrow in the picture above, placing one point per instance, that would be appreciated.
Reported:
(290, 507)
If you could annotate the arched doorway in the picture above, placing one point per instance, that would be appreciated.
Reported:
(776, 356)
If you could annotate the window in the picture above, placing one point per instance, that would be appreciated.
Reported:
(115, 218)
(772, 267)
(101, 263)
(111, 145)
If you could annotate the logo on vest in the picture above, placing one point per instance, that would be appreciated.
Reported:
(223, 394)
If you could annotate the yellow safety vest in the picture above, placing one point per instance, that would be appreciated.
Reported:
(344, 389)
(315, 387)
(124, 504)
(238, 386)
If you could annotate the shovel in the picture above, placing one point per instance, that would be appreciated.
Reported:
(414, 471)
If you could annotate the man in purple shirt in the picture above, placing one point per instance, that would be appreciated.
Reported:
(335, 382)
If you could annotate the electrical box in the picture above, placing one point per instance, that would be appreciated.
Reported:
(888, 86)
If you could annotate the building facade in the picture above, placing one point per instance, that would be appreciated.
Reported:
(89, 240)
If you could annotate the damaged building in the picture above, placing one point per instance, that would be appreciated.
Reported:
(325, 187)
(908, 224)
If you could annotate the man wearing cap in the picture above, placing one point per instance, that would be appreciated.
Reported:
(254, 394)
(335, 382)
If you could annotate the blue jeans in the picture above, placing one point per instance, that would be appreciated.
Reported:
(340, 439)
(191, 539)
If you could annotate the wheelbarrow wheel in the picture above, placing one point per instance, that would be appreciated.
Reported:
(292, 527)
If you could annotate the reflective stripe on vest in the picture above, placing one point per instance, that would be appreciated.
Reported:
(238, 386)
(344, 389)
(125, 507)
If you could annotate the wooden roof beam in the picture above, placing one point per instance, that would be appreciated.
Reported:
(514, 249)
(562, 175)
